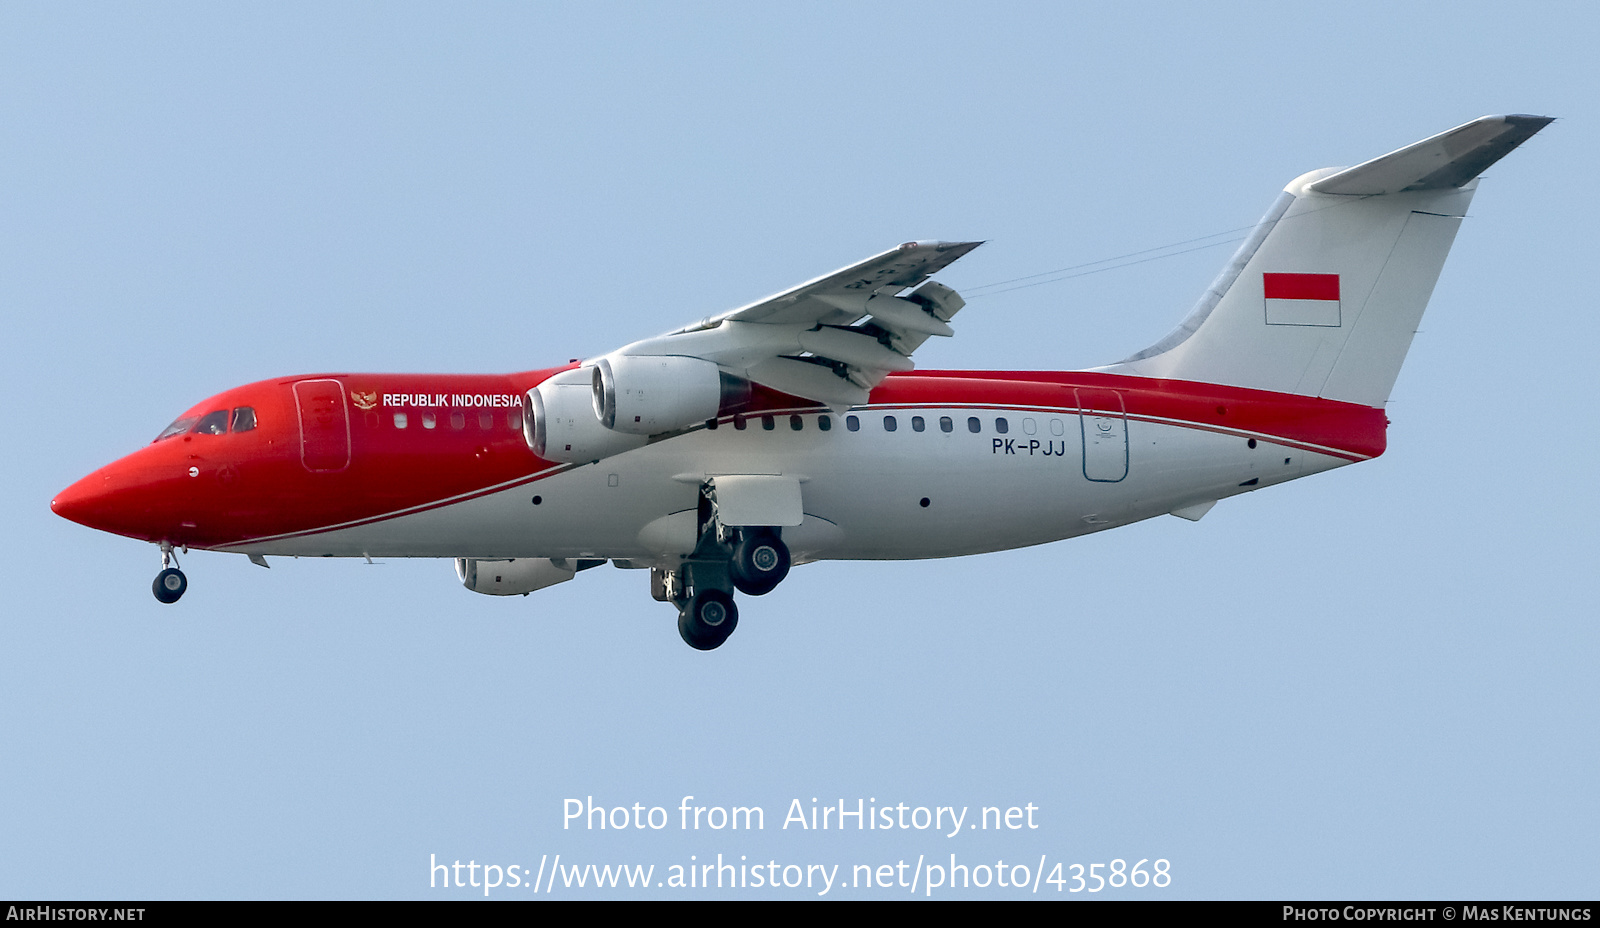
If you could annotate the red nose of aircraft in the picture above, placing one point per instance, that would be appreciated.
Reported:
(116, 498)
(82, 502)
(94, 501)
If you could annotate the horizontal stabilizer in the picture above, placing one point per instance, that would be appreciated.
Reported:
(1448, 159)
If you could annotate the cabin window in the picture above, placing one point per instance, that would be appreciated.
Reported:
(797, 423)
(1028, 427)
(739, 423)
(486, 421)
(1001, 425)
(973, 425)
(244, 418)
(889, 424)
(945, 425)
(514, 420)
(824, 423)
(178, 427)
(768, 424)
(399, 420)
(213, 423)
(429, 420)
(1055, 427)
(852, 423)
(458, 420)
(917, 424)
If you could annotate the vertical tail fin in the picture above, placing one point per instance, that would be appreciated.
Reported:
(1323, 298)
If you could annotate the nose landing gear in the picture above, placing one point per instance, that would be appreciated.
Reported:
(170, 583)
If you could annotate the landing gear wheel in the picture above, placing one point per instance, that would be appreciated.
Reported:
(169, 585)
(707, 620)
(760, 561)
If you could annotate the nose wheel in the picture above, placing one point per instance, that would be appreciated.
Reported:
(170, 583)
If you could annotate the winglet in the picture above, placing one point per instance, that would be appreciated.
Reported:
(1449, 159)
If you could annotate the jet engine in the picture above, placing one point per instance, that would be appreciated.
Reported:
(649, 395)
(559, 424)
(516, 576)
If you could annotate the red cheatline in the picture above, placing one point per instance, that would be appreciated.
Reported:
(1302, 286)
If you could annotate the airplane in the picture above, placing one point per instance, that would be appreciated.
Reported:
(797, 428)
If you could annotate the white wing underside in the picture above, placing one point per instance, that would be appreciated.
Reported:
(834, 338)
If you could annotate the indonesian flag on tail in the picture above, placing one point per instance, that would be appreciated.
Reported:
(1302, 299)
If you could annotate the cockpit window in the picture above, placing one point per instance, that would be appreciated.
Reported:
(176, 428)
(244, 418)
(213, 423)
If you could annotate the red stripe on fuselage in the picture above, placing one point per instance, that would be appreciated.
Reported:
(1353, 431)
(254, 485)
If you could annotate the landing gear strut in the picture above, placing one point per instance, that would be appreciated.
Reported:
(704, 596)
(751, 559)
(170, 583)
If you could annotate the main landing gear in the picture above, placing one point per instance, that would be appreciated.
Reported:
(759, 562)
(702, 589)
(170, 583)
(750, 559)
(707, 620)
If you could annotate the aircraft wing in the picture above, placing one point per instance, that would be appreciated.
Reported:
(834, 338)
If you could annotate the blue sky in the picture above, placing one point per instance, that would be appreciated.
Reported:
(1376, 683)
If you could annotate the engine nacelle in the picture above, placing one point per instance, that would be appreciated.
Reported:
(513, 577)
(648, 395)
(559, 424)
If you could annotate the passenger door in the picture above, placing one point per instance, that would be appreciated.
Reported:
(324, 425)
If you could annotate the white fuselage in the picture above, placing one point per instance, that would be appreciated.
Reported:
(868, 493)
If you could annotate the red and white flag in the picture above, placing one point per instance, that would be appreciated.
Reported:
(1302, 299)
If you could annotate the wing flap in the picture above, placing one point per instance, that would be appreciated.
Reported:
(900, 267)
(854, 348)
(815, 382)
(832, 339)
